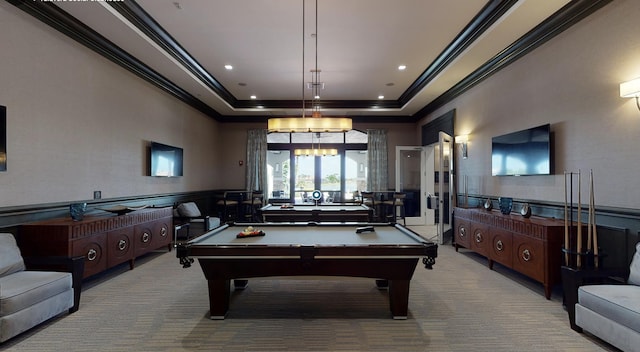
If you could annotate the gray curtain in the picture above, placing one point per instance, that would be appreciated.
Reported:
(256, 160)
(377, 179)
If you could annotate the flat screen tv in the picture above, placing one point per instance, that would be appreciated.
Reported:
(526, 152)
(165, 160)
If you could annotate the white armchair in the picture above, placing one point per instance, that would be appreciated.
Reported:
(606, 303)
(29, 297)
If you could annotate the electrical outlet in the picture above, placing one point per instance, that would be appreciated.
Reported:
(97, 194)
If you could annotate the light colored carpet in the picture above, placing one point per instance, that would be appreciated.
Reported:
(460, 305)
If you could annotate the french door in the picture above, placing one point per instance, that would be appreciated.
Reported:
(410, 179)
(444, 185)
(323, 173)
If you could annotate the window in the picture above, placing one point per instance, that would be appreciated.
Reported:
(340, 178)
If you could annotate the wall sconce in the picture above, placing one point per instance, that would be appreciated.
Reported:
(631, 89)
(464, 139)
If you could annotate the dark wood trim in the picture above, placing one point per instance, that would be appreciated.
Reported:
(569, 15)
(144, 22)
(68, 25)
(444, 123)
(564, 18)
(492, 12)
(355, 119)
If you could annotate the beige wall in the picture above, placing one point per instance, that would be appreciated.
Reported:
(571, 82)
(78, 123)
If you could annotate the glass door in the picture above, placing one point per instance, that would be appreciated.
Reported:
(444, 184)
(410, 171)
(330, 178)
(355, 171)
(278, 175)
(323, 173)
(305, 178)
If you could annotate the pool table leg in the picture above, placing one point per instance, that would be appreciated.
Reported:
(219, 294)
(399, 298)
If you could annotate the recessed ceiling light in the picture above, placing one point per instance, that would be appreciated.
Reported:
(228, 67)
(253, 97)
(380, 96)
(402, 67)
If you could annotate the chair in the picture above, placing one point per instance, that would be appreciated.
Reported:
(392, 205)
(252, 206)
(28, 294)
(228, 207)
(369, 199)
(189, 214)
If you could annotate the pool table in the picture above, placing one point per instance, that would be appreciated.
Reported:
(388, 253)
(334, 212)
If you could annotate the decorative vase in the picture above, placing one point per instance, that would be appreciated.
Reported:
(488, 205)
(525, 211)
(77, 210)
(505, 205)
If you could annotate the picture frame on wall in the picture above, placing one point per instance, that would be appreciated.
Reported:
(3, 138)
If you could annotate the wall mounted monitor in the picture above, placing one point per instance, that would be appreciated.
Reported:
(165, 160)
(526, 152)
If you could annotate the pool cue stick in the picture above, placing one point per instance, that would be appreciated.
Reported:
(579, 244)
(595, 228)
(566, 223)
(590, 213)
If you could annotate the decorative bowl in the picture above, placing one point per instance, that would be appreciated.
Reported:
(525, 211)
(506, 204)
(488, 205)
(121, 209)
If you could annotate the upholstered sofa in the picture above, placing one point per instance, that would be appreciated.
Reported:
(29, 297)
(610, 310)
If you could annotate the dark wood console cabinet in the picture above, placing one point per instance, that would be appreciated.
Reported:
(532, 246)
(104, 241)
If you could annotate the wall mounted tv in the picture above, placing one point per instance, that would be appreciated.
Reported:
(526, 152)
(165, 160)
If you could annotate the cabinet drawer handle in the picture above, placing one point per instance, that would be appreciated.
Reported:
(463, 232)
(163, 231)
(478, 237)
(92, 255)
(499, 245)
(122, 244)
(145, 237)
(526, 255)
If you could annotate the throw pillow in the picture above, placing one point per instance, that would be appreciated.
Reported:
(10, 257)
(634, 274)
(189, 210)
